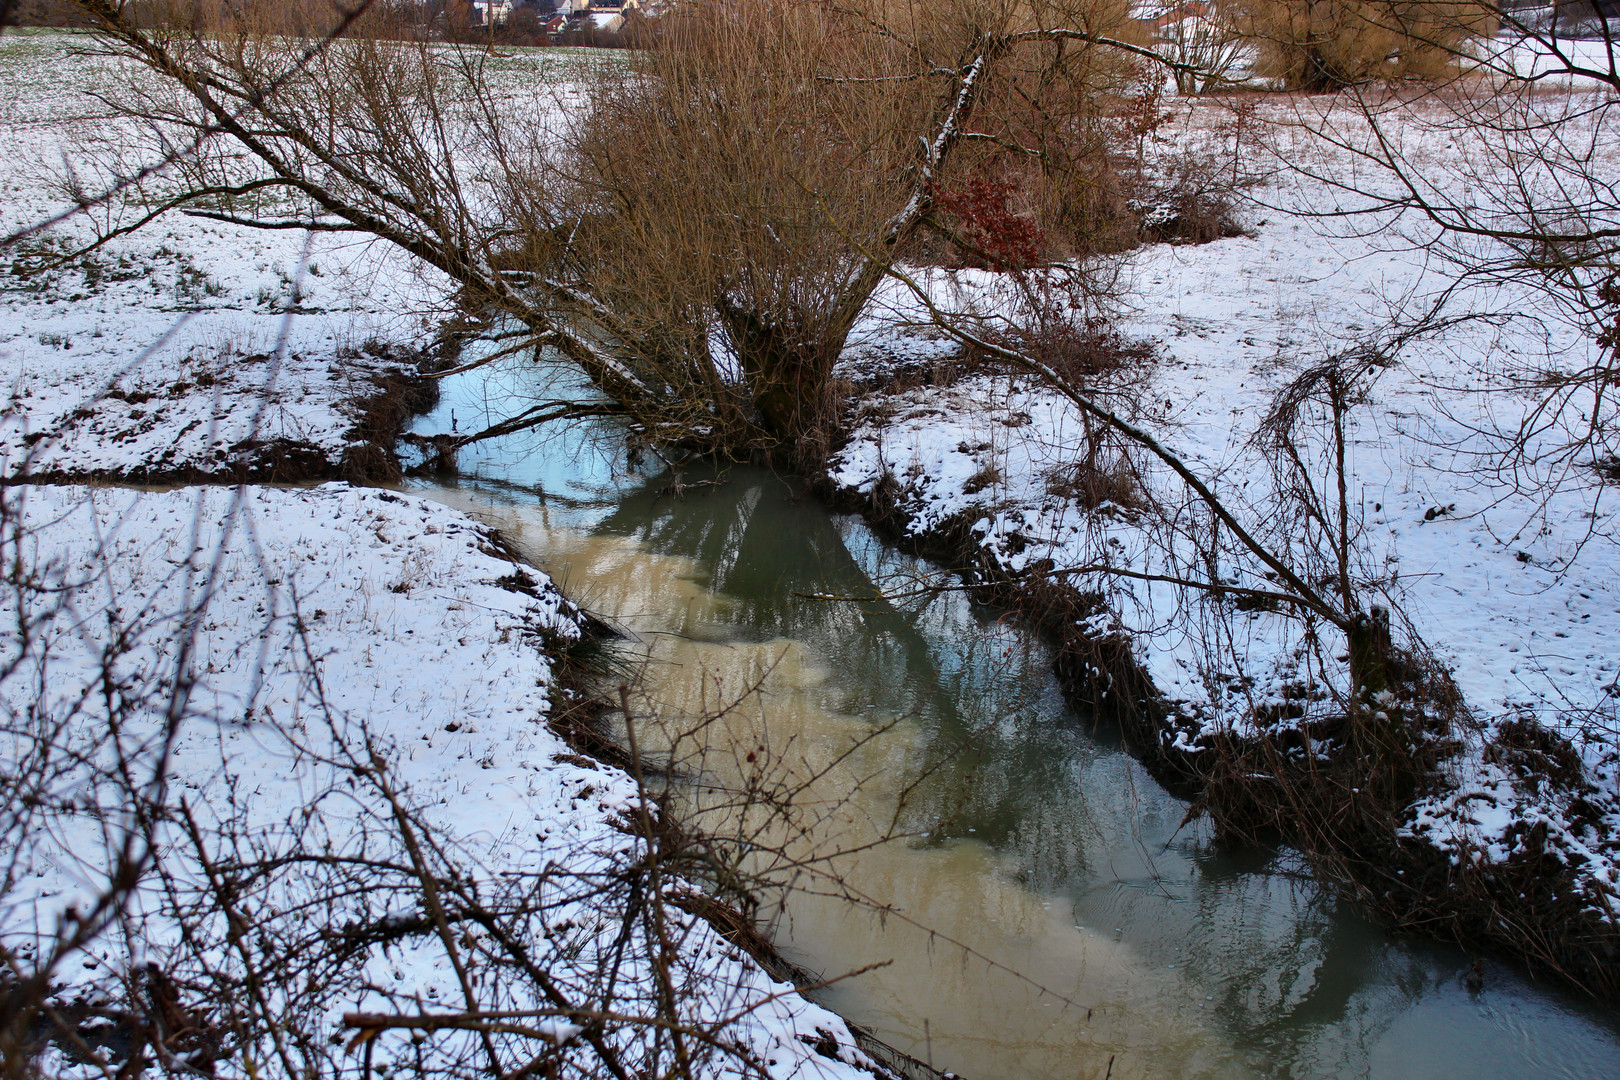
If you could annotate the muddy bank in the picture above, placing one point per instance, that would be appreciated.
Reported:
(367, 455)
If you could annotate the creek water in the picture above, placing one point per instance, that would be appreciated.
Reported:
(1041, 905)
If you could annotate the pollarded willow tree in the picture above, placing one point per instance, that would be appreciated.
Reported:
(700, 238)
(1324, 45)
(751, 179)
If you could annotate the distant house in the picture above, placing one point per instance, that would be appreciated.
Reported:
(1164, 16)
(486, 11)
(1181, 20)
(597, 7)
(501, 11)
(583, 17)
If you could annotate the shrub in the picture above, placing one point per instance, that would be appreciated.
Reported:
(1320, 45)
(989, 233)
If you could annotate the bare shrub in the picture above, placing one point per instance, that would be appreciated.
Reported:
(1089, 350)
(1055, 190)
(1204, 39)
(1318, 45)
(1191, 199)
(1097, 480)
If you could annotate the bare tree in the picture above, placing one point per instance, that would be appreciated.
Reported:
(704, 270)
(1205, 39)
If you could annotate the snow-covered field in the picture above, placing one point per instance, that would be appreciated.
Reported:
(331, 623)
(1511, 579)
(190, 347)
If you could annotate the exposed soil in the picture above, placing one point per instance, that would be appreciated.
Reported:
(370, 458)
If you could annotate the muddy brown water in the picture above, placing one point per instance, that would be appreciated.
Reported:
(1040, 906)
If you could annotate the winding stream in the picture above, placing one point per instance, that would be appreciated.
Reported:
(1047, 911)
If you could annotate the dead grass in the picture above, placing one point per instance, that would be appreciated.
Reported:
(1088, 351)
(987, 476)
(1196, 203)
(1099, 481)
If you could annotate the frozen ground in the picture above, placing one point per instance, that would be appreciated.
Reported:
(1515, 586)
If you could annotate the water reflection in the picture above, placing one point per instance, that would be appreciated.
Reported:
(1042, 845)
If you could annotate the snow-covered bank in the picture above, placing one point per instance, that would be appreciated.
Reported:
(1508, 577)
(192, 350)
(338, 645)
(189, 349)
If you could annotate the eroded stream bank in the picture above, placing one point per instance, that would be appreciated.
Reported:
(1033, 838)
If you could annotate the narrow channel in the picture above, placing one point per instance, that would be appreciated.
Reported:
(1040, 904)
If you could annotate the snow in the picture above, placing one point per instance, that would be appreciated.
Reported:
(335, 627)
(1515, 586)
(169, 349)
(341, 621)
(1545, 55)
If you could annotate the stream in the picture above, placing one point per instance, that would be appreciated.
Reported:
(1043, 907)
